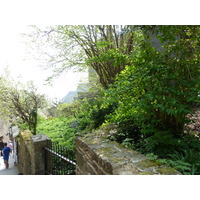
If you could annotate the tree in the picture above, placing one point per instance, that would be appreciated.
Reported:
(105, 48)
(21, 101)
(160, 88)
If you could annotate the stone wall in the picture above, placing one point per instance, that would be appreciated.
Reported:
(31, 158)
(24, 146)
(98, 156)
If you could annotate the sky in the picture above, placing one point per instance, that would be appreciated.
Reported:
(14, 56)
(16, 15)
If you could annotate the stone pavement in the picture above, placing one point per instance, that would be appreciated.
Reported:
(12, 170)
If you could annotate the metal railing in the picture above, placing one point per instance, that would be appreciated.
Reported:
(59, 160)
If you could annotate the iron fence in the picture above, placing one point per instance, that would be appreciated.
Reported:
(59, 160)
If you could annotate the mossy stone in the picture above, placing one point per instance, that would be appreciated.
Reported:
(147, 173)
(147, 163)
(167, 171)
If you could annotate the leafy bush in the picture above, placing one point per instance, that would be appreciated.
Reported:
(127, 131)
(182, 154)
(23, 126)
(59, 130)
(91, 114)
(158, 89)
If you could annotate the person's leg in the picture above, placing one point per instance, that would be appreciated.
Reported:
(6, 163)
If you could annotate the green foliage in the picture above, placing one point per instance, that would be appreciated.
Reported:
(151, 156)
(126, 131)
(23, 126)
(159, 88)
(22, 101)
(155, 76)
(128, 142)
(103, 47)
(68, 109)
(184, 167)
(161, 144)
(83, 115)
(60, 130)
(182, 153)
(155, 93)
(92, 114)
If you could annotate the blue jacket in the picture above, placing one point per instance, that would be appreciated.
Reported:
(6, 152)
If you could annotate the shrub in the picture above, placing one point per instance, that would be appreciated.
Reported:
(158, 89)
(181, 153)
(61, 130)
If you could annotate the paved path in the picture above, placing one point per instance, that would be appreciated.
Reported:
(12, 170)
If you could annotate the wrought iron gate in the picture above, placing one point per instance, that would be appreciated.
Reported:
(59, 160)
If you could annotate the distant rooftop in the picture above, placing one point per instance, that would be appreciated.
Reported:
(69, 97)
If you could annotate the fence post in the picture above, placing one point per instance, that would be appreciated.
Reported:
(39, 142)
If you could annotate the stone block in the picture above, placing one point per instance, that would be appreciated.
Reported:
(90, 169)
(101, 172)
(95, 165)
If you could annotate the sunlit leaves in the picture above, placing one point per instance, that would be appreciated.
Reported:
(60, 130)
(160, 87)
(20, 101)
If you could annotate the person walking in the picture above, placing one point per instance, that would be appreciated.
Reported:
(6, 153)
